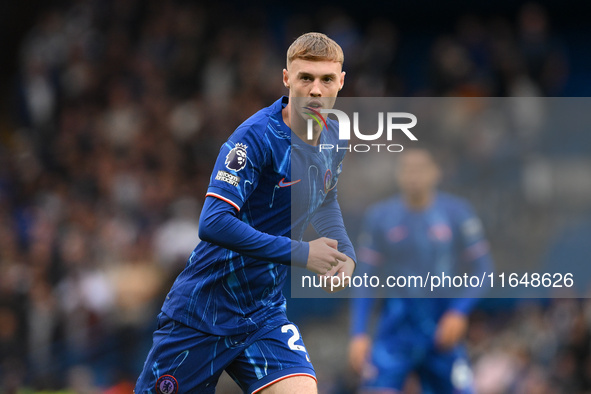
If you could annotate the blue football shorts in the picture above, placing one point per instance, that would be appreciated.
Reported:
(185, 360)
(439, 372)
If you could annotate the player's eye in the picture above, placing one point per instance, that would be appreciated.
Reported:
(305, 78)
(327, 79)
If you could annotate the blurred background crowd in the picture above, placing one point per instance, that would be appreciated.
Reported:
(114, 113)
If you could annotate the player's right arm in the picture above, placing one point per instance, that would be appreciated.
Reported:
(360, 343)
(328, 222)
(473, 251)
(370, 259)
(236, 174)
(220, 225)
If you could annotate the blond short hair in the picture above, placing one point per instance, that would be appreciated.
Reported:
(315, 47)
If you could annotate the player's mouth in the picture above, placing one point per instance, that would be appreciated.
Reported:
(314, 104)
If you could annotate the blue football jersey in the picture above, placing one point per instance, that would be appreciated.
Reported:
(396, 240)
(258, 170)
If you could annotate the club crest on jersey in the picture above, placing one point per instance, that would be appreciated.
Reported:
(327, 181)
(236, 158)
(167, 384)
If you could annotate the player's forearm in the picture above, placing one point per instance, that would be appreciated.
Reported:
(328, 222)
(218, 225)
(467, 300)
(360, 312)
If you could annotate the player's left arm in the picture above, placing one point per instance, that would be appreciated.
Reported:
(473, 253)
(328, 222)
(362, 303)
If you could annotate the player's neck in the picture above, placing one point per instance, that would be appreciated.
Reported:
(298, 126)
(419, 202)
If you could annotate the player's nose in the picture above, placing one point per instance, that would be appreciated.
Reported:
(315, 90)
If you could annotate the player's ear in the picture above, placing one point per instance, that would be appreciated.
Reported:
(286, 78)
(342, 80)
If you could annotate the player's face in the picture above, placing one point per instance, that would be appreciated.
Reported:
(317, 81)
(417, 173)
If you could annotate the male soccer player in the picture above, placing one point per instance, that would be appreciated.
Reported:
(226, 310)
(421, 231)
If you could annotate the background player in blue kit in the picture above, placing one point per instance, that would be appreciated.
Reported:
(420, 231)
(226, 310)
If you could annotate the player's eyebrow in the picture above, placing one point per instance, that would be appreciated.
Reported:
(307, 74)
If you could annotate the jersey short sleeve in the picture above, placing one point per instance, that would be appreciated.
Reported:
(238, 166)
(470, 231)
(473, 255)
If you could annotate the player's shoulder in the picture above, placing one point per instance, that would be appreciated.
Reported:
(260, 124)
(260, 132)
(456, 205)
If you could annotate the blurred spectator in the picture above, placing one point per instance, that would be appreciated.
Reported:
(543, 54)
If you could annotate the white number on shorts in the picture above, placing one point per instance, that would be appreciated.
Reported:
(296, 335)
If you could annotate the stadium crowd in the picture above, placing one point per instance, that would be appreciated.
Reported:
(119, 110)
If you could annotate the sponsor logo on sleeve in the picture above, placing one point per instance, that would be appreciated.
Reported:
(227, 177)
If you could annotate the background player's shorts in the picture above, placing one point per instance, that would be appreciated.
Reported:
(184, 360)
(439, 372)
